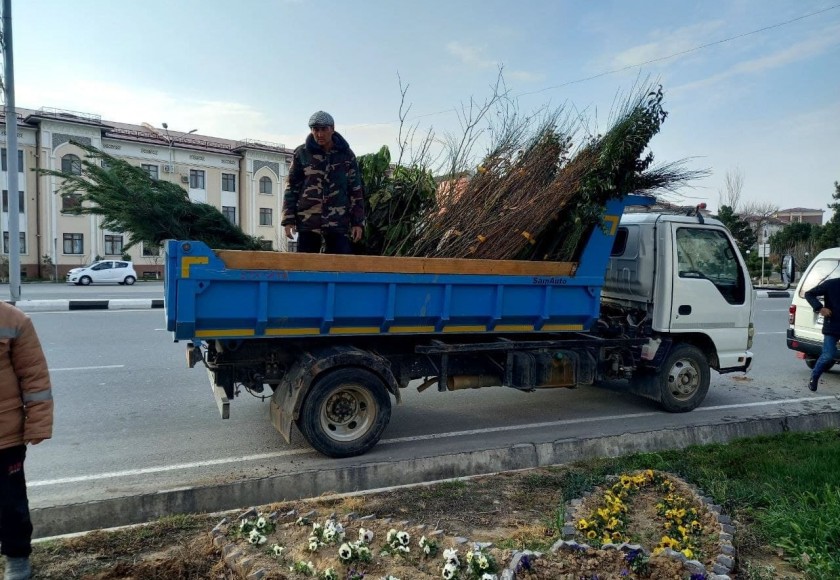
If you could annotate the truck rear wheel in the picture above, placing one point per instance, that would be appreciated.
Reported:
(683, 379)
(345, 412)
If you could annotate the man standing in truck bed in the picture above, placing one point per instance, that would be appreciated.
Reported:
(323, 200)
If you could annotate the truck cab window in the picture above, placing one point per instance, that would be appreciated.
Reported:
(620, 243)
(707, 254)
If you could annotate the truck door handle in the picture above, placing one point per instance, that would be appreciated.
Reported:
(684, 309)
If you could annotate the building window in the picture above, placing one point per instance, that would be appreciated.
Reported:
(5, 162)
(71, 164)
(266, 244)
(152, 170)
(113, 245)
(21, 199)
(70, 201)
(74, 244)
(22, 242)
(151, 251)
(228, 182)
(265, 185)
(265, 216)
(196, 179)
(229, 212)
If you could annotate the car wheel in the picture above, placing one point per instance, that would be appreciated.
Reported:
(85, 280)
(683, 379)
(345, 412)
(129, 280)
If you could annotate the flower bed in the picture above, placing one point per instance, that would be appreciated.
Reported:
(642, 525)
(349, 548)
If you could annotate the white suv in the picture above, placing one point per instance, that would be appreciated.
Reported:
(804, 334)
(104, 272)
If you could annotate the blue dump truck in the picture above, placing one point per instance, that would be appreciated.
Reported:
(654, 300)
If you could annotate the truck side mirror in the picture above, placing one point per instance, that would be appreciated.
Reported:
(788, 270)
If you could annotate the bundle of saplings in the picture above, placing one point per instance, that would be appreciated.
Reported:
(145, 209)
(540, 202)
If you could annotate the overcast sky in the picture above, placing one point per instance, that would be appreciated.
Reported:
(750, 85)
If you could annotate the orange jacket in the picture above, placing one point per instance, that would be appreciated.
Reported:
(26, 404)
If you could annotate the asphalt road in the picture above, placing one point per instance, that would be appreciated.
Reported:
(132, 419)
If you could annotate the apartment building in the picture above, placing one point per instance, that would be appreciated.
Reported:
(245, 180)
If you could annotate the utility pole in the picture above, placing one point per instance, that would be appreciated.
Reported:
(11, 155)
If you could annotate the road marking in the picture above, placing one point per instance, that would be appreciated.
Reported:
(148, 470)
(87, 368)
(780, 332)
(278, 454)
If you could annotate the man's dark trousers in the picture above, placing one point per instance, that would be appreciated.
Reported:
(310, 243)
(15, 525)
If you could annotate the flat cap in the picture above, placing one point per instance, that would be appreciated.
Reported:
(321, 118)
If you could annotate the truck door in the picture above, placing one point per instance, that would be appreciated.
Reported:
(711, 293)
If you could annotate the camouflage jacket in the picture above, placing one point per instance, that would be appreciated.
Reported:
(325, 188)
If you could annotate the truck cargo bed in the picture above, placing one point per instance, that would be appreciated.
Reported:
(240, 295)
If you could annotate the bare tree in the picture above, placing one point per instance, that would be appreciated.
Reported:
(733, 185)
(761, 213)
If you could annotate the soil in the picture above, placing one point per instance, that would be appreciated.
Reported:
(512, 511)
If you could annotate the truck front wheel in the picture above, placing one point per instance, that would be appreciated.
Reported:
(345, 412)
(683, 379)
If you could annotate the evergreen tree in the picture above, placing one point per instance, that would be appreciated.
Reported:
(744, 235)
(147, 210)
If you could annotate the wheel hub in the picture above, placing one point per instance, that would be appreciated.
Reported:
(341, 408)
(684, 379)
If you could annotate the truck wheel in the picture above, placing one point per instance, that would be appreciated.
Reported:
(345, 412)
(683, 379)
(812, 362)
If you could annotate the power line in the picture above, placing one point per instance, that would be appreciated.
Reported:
(641, 64)
(683, 52)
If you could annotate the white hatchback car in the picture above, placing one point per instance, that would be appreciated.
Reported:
(103, 272)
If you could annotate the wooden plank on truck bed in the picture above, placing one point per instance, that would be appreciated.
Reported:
(255, 260)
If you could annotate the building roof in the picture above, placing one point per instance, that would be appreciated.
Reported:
(143, 133)
(800, 210)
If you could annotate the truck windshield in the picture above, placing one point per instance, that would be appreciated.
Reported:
(820, 271)
(707, 254)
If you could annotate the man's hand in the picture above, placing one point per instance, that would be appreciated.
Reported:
(290, 231)
(356, 233)
(826, 312)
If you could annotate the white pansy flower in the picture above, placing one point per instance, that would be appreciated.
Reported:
(345, 552)
(469, 557)
(261, 540)
(489, 577)
(261, 523)
(449, 571)
(482, 561)
(404, 538)
(313, 546)
(330, 574)
(277, 549)
(365, 536)
(451, 555)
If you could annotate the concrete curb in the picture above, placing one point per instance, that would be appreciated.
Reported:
(71, 518)
(63, 305)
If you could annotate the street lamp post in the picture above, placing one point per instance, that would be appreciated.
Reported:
(171, 141)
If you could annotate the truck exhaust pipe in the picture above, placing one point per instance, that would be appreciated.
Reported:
(459, 382)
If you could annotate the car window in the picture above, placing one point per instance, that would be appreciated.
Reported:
(820, 271)
(122, 265)
(102, 266)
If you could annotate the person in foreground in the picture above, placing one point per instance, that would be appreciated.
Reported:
(829, 290)
(324, 199)
(26, 418)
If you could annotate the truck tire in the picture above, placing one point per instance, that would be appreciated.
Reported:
(345, 412)
(683, 379)
(812, 362)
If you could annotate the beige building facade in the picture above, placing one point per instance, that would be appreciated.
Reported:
(245, 180)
